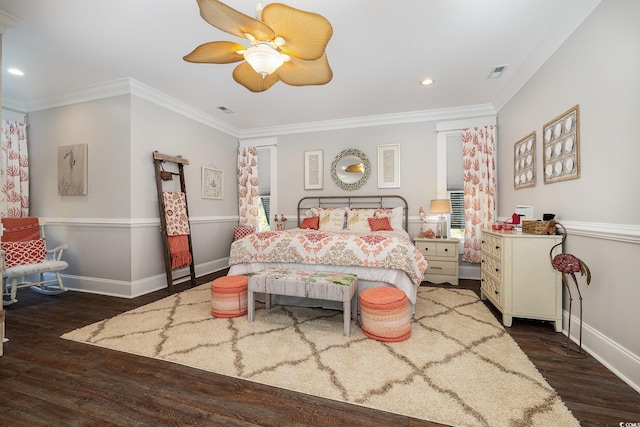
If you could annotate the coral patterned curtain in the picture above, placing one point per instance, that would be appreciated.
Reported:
(479, 171)
(248, 200)
(14, 170)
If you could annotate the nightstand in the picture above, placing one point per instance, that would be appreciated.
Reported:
(442, 255)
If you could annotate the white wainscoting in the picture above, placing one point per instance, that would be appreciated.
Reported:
(59, 229)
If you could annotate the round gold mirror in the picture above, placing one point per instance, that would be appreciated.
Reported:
(350, 169)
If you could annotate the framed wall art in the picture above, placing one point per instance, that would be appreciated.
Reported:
(72, 170)
(524, 162)
(561, 147)
(313, 168)
(212, 183)
(389, 166)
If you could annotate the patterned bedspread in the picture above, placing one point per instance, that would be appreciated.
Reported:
(378, 250)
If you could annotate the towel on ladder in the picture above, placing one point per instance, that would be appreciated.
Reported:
(175, 210)
(20, 229)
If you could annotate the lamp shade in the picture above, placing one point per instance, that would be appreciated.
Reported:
(440, 206)
(264, 59)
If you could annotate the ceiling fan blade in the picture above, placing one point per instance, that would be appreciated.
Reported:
(247, 77)
(298, 72)
(233, 22)
(216, 53)
(306, 34)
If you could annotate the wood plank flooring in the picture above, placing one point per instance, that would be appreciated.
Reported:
(45, 380)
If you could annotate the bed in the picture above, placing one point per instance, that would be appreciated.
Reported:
(341, 241)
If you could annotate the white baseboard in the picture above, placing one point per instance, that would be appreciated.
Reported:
(622, 362)
(469, 271)
(124, 289)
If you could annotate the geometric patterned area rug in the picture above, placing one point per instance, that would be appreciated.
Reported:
(459, 367)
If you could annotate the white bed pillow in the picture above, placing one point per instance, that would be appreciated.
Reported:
(331, 219)
(358, 219)
(312, 212)
(395, 216)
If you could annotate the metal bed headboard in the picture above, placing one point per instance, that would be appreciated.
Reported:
(361, 202)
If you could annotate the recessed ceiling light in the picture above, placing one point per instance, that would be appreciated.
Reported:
(15, 72)
(427, 82)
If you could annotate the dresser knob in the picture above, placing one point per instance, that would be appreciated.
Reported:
(446, 249)
(497, 270)
(497, 247)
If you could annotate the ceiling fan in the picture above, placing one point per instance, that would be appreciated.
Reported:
(286, 44)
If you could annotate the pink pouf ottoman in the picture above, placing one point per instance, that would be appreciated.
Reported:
(229, 296)
(384, 314)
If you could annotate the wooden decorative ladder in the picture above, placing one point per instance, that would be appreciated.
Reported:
(162, 175)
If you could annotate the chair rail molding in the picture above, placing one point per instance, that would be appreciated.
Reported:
(627, 233)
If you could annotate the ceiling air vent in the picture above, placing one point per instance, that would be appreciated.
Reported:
(497, 71)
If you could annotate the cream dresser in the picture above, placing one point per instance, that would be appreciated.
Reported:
(517, 276)
(442, 255)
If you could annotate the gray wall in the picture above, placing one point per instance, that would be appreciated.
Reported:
(597, 68)
(417, 163)
(113, 232)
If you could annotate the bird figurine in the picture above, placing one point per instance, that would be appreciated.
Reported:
(568, 265)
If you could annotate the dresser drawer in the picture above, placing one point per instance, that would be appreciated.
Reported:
(492, 244)
(493, 289)
(439, 249)
(442, 267)
(492, 266)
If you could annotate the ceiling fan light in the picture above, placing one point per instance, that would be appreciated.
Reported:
(264, 59)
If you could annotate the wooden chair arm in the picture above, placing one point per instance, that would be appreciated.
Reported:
(57, 251)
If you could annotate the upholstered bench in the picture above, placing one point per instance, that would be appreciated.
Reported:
(384, 314)
(229, 296)
(323, 285)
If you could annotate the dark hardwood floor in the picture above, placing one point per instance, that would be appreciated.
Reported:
(45, 380)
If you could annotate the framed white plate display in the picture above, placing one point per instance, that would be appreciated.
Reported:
(561, 147)
(389, 166)
(524, 162)
(212, 183)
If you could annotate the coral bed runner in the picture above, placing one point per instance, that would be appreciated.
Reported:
(460, 367)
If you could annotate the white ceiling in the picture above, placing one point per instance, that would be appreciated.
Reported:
(379, 53)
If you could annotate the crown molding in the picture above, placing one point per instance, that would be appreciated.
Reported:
(8, 21)
(84, 94)
(454, 113)
(145, 92)
(126, 86)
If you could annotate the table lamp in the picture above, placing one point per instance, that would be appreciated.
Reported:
(441, 207)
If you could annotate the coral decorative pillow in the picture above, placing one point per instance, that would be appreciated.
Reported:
(240, 232)
(380, 224)
(312, 223)
(395, 215)
(27, 252)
